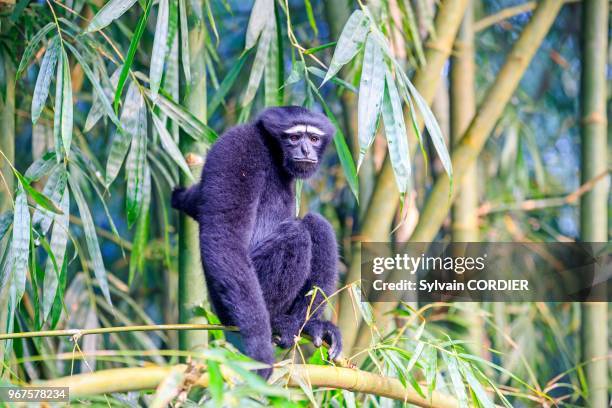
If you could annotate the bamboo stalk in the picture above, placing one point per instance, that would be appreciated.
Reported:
(440, 199)
(385, 197)
(593, 204)
(77, 333)
(148, 378)
(192, 291)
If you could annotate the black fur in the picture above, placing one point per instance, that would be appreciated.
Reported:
(260, 260)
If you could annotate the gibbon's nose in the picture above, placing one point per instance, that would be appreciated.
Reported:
(305, 150)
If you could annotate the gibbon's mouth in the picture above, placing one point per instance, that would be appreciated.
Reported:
(304, 160)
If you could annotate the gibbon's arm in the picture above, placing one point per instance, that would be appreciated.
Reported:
(232, 182)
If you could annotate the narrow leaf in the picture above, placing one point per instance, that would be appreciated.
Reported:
(54, 189)
(59, 241)
(397, 140)
(41, 167)
(20, 244)
(258, 64)
(43, 81)
(107, 14)
(141, 235)
(133, 104)
(129, 59)
(97, 107)
(170, 146)
(351, 40)
(259, 19)
(93, 247)
(226, 84)
(32, 46)
(135, 168)
(160, 42)
(371, 90)
(457, 381)
(67, 113)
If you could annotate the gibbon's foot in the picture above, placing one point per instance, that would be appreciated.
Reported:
(324, 331)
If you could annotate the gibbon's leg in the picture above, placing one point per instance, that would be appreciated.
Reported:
(282, 261)
(324, 276)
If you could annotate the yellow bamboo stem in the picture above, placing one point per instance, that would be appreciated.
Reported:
(148, 378)
(117, 329)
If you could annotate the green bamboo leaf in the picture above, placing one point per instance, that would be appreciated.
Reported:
(135, 169)
(57, 110)
(141, 235)
(107, 14)
(215, 383)
(63, 119)
(318, 72)
(132, 106)
(54, 189)
(38, 197)
(93, 247)
(129, 59)
(170, 146)
(456, 380)
(98, 106)
(476, 386)
(160, 42)
(100, 92)
(20, 243)
(28, 53)
(226, 84)
(311, 17)
(184, 30)
(371, 90)
(430, 359)
(259, 63)
(190, 124)
(6, 220)
(59, 241)
(433, 127)
(258, 21)
(397, 139)
(43, 81)
(351, 40)
(344, 154)
(41, 167)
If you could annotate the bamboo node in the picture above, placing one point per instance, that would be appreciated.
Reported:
(594, 118)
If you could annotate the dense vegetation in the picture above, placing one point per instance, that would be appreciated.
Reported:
(455, 120)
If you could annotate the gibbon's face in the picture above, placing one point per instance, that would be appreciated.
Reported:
(303, 146)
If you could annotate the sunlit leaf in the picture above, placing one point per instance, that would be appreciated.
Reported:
(351, 40)
(371, 90)
(130, 119)
(135, 168)
(397, 138)
(91, 238)
(158, 53)
(107, 14)
(258, 21)
(273, 76)
(475, 385)
(59, 241)
(43, 81)
(20, 243)
(456, 380)
(259, 63)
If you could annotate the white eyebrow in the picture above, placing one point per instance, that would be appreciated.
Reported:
(305, 129)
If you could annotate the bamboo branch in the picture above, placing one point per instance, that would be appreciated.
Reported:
(77, 333)
(148, 378)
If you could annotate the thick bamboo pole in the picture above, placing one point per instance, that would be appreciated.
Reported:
(593, 205)
(385, 197)
(464, 227)
(191, 284)
(7, 146)
(148, 378)
(464, 155)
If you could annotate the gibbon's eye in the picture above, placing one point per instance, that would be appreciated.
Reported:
(294, 138)
(314, 139)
